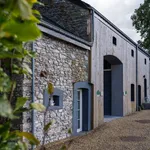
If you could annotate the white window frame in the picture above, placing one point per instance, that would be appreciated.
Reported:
(80, 129)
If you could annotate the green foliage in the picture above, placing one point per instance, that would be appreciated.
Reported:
(20, 102)
(47, 126)
(38, 107)
(5, 107)
(50, 88)
(64, 147)
(142, 107)
(18, 25)
(141, 21)
(69, 131)
(139, 108)
(28, 136)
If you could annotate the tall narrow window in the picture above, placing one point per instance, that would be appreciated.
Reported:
(132, 92)
(132, 53)
(114, 40)
(145, 61)
(145, 88)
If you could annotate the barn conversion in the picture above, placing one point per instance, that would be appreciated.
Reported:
(96, 69)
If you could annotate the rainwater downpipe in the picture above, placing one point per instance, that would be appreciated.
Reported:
(33, 112)
(137, 98)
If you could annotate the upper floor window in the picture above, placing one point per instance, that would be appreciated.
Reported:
(114, 40)
(132, 53)
(132, 92)
(145, 61)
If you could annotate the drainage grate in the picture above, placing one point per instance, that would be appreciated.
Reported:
(132, 138)
(143, 121)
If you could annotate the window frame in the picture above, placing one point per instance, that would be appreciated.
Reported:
(57, 92)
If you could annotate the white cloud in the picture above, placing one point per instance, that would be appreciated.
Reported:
(119, 13)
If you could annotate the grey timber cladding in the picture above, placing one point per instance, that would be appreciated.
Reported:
(143, 73)
(67, 16)
(103, 46)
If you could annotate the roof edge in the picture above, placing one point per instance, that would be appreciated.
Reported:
(65, 33)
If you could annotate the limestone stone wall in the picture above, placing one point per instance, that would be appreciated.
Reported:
(63, 65)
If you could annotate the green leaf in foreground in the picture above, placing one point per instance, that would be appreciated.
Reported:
(15, 28)
(31, 138)
(5, 108)
(47, 126)
(20, 102)
(38, 106)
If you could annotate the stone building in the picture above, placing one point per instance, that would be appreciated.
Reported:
(96, 70)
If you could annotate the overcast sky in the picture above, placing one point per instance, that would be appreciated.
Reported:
(119, 13)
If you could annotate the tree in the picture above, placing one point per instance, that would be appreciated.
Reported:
(141, 21)
(18, 25)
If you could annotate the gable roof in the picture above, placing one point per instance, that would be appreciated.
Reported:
(87, 6)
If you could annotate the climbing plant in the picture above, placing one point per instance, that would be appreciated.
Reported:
(18, 25)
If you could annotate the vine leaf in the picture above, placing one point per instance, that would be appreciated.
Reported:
(5, 108)
(47, 126)
(20, 102)
(50, 88)
(38, 106)
(29, 136)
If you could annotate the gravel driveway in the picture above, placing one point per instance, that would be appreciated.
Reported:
(127, 133)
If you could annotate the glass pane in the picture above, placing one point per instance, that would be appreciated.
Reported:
(79, 114)
(78, 124)
(78, 105)
(78, 95)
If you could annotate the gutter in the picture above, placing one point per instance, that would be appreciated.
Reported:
(33, 112)
(65, 33)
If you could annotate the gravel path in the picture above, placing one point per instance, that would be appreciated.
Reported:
(127, 133)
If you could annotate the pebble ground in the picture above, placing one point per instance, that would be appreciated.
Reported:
(127, 133)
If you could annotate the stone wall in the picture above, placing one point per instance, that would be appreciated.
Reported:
(67, 16)
(64, 64)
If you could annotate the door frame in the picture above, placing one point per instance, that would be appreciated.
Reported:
(77, 86)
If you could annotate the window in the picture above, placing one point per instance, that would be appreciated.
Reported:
(132, 53)
(56, 102)
(145, 61)
(132, 92)
(107, 65)
(114, 41)
(145, 87)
